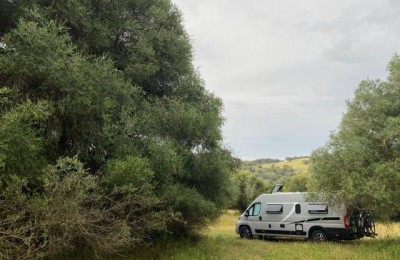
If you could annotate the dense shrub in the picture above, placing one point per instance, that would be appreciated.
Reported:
(247, 188)
(71, 212)
(111, 85)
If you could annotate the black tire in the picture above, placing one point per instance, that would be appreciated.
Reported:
(245, 232)
(318, 236)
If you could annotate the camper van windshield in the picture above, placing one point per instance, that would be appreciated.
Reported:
(255, 209)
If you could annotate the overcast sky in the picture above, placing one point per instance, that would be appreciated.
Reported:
(284, 69)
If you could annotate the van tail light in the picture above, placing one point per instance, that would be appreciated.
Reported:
(346, 222)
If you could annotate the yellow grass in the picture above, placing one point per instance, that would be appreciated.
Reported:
(385, 246)
(221, 242)
(388, 230)
(225, 225)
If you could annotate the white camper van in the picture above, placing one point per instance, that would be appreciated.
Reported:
(289, 214)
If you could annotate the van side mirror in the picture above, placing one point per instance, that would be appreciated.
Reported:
(246, 213)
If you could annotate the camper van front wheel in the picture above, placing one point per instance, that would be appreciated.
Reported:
(318, 236)
(245, 232)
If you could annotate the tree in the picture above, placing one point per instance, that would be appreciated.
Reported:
(145, 39)
(360, 163)
(298, 182)
(248, 187)
(111, 83)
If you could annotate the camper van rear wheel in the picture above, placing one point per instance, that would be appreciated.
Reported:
(245, 232)
(318, 236)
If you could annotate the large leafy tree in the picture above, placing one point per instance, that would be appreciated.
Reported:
(113, 83)
(361, 162)
(248, 187)
(145, 38)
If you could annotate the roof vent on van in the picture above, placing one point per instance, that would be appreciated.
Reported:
(277, 188)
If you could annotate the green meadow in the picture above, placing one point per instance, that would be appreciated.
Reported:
(221, 242)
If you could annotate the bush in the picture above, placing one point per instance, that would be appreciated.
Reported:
(130, 192)
(71, 212)
(21, 147)
(248, 187)
(192, 210)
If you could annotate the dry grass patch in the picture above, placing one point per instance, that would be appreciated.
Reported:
(388, 230)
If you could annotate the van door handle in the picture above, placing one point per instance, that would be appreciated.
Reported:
(260, 218)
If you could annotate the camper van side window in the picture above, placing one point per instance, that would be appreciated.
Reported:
(255, 209)
(298, 208)
(317, 209)
(274, 208)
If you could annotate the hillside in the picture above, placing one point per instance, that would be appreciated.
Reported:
(299, 165)
(293, 172)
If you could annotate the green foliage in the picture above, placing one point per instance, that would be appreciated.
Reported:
(21, 145)
(248, 187)
(127, 183)
(298, 182)
(183, 147)
(360, 163)
(131, 172)
(88, 94)
(261, 161)
(67, 214)
(270, 172)
(73, 210)
(146, 39)
(194, 210)
(166, 162)
(295, 158)
(6, 99)
(293, 173)
(111, 85)
(186, 122)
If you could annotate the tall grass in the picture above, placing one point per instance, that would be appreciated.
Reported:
(388, 230)
(221, 242)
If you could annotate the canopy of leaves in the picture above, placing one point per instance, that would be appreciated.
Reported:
(248, 187)
(361, 162)
(112, 83)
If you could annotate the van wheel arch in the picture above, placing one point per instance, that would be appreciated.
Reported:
(313, 228)
(322, 233)
(245, 232)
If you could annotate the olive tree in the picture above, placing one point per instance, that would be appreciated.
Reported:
(360, 163)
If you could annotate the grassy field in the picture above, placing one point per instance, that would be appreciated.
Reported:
(221, 242)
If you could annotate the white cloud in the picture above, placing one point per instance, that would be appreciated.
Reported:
(285, 68)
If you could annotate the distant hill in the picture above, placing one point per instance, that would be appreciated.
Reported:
(292, 172)
(299, 164)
